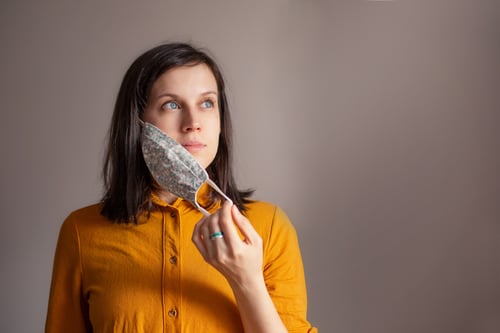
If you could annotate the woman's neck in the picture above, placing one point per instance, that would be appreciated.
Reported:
(167, 196)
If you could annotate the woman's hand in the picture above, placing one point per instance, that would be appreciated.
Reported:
(239, 259)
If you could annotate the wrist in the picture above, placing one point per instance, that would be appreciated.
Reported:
(249, 285)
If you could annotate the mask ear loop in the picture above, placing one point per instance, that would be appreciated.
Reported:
(202, 210)
(216, 188)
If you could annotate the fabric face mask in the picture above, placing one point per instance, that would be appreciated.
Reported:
(173, 167)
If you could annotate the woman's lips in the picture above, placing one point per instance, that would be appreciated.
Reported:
(193, 146)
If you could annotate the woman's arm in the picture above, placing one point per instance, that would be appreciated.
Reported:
(240, 260)
(67, 309)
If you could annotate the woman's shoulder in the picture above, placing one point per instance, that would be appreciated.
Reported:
(80, 222)
(262, 212)
(272, 223)
(257, 206)
(84, 216)
(87, 211)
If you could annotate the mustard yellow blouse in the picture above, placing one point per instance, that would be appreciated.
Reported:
(149, 277)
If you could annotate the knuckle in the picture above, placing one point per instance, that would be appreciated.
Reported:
(237, 254)
(218, 260)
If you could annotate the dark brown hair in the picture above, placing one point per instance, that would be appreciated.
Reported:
(128, 184)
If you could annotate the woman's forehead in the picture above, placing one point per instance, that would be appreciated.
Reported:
(194, 79)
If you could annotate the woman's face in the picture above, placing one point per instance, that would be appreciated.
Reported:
(183, 103)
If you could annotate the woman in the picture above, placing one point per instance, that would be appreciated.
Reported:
(144, 260)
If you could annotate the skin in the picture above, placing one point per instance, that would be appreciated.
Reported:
(183, 103)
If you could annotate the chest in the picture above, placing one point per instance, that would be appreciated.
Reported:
(150, 277)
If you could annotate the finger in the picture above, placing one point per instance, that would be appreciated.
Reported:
(226, 224)
(245, 227)
(198, 238)
(213, 223)
(203, 227)
(215, 246)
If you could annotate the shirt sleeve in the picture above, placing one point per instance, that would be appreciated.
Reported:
(284, 275)
(67, 308)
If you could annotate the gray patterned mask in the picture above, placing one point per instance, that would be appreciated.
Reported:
(173, 167)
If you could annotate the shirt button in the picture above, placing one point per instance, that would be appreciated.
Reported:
(172, 214)
(172, 313)
(173, 260)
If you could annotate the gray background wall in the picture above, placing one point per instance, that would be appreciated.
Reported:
(374, 124)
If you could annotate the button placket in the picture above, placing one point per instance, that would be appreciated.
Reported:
(173, 258)
(172, 272)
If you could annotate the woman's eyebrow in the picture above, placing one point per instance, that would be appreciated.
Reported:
(210, 92)
(167, 95)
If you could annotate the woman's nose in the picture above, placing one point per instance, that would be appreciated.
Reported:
(190, 121)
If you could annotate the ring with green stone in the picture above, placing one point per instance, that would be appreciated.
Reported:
(215, 235)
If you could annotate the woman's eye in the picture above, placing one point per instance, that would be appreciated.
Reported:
(171, 105)
(207, 104)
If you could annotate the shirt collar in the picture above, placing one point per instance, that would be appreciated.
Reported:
(204, 199)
